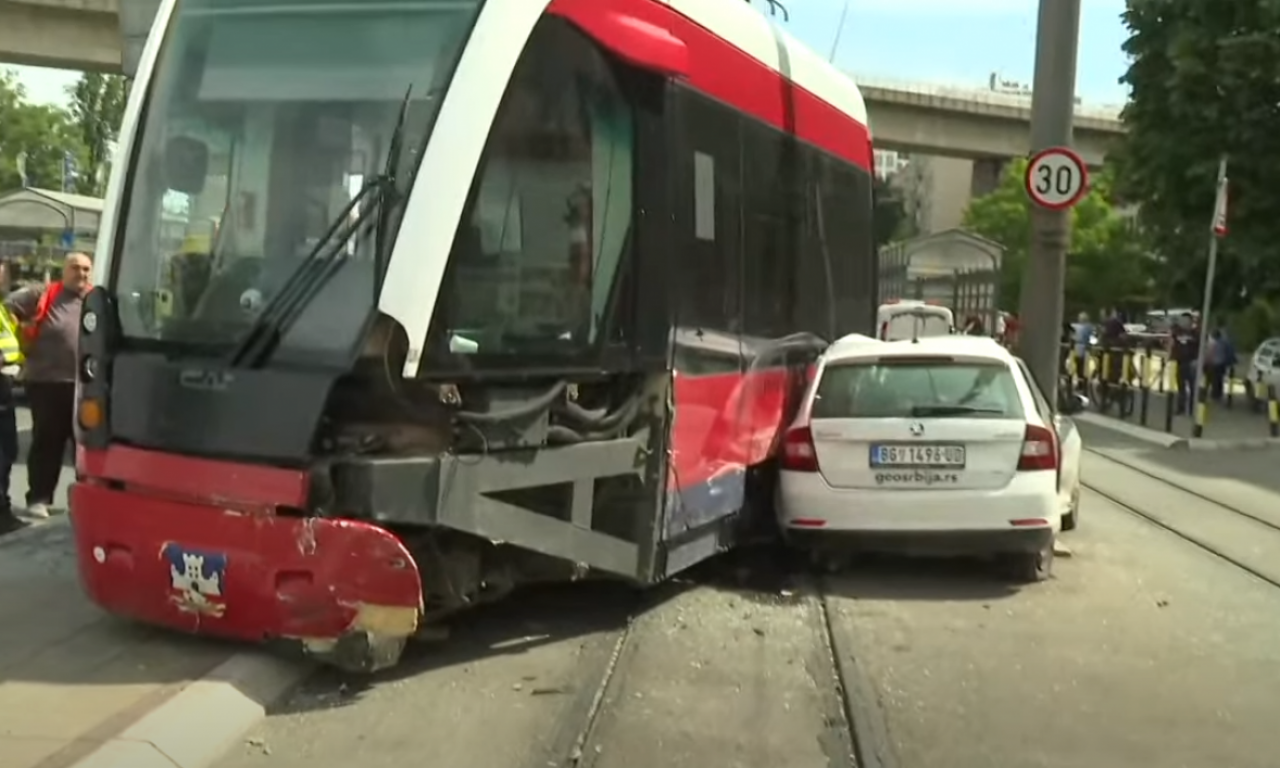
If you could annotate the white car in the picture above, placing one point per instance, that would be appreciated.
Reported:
(1264, 367)
(944, 445)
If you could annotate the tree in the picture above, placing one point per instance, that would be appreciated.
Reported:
(97, 109)
(1204, 80)
(41, 133)
(1108, 265)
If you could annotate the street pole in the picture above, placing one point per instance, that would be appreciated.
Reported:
(1052, 113)
(1219, 200)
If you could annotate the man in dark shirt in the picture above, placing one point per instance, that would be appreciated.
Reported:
(50, 315)
(1113, 342)
(1184, 349)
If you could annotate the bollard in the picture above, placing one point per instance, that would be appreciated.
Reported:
(1202, 406)
(1169, 399)
(1144, 383)
(1104, 384)
(1164, 373)
(1273, 411)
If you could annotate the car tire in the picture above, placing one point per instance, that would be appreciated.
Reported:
(1071, 520)
(1031, 567)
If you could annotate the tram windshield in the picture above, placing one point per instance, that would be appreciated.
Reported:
(261, 128)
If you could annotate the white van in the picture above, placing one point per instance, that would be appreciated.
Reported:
(904, 319)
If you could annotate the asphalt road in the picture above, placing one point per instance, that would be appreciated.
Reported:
(1144, 650)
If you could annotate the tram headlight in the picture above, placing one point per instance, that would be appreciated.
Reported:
(90, 368)
(89, 322)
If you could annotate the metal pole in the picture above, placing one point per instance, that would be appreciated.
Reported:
(1052, 112)
(1208, 279)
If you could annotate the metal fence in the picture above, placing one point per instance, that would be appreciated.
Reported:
(966, 292)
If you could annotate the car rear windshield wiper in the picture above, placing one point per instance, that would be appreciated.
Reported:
(951, 410)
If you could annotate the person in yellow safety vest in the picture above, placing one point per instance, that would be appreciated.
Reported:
(11, 359)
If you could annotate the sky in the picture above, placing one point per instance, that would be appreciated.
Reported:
(952, 42)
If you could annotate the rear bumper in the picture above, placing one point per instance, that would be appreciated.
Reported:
(1028, 496)
(942, 543)
(224, 568)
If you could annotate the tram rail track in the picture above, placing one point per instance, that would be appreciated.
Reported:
(850, 727)
(1162, 521)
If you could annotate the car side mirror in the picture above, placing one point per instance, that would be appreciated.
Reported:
(1072, 403)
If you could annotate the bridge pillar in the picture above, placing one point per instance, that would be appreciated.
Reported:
(135, 24)
(987, 173)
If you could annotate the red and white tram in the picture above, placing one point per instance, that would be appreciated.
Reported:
(403, 304)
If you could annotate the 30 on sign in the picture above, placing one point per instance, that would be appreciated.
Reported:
(1057, 178)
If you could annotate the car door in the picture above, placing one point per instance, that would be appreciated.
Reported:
(1069, 443)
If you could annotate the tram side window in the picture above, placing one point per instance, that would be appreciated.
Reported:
(547, 228)
(812, 267)
(846, 208)
(771, 230)
(705, 271)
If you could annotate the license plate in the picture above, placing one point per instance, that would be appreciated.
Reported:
(918, 455)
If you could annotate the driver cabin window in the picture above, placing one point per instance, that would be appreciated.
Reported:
(542, 242)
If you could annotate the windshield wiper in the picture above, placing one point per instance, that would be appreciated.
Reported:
(950, 410)
(328, 256)
(304, 283)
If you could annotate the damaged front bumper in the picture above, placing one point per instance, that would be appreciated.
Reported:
(348, 592)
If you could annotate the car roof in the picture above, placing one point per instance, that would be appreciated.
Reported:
(968, 346)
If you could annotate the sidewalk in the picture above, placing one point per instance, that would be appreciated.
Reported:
(81, 689)
(70, 676)
(1225, 427)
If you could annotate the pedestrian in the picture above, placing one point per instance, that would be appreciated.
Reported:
(10, 361)
(1084, 346)
(973, 326)
(50, 317)
(1220, 358)
(1184, 350)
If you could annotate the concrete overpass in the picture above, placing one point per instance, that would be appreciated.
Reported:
(972, 123)
(65, 34)
(914, 118)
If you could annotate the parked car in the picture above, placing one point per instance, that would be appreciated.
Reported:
(941, 445)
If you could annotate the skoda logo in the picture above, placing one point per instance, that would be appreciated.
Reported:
(917, 429)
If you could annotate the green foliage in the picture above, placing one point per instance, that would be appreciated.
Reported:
(1205, 81)
(43, 133)
(1108, 265)
(97, 108)
(39, 131)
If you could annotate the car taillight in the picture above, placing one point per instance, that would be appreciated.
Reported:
(1039, 449)
(798, 453)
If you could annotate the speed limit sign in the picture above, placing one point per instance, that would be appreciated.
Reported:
(1056, 178)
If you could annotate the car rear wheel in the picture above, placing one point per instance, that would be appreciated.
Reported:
(1072, 518)
(1031, 567)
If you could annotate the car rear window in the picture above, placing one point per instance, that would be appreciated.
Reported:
(916, 325)
(933, 388)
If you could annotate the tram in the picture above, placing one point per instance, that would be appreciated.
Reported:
(401, 305)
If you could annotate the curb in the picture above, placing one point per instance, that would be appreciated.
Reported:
(199, 725)
(1175, 442)
(1162, 439)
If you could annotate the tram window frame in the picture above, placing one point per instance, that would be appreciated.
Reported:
(610, 341)
(851, 243)
(771, 231)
